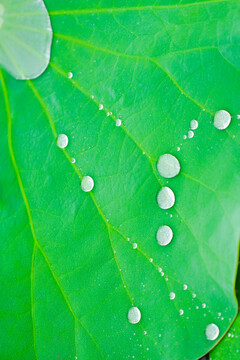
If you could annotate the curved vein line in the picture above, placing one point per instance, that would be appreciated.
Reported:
(144, 58)
(32, 302)
(132, 8)
(20, 183)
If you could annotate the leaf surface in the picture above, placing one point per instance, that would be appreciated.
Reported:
(69, 272)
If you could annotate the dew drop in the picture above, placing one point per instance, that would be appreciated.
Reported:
(87, 183)
(193, 124)
(73, 160)
(185, 287)
(172, 295)
(194, 295)
(145, 333)
(134, 315)
(190, 134)
(160, 269)
(151, 259)
(62, 141)
(181, 312)
(164, 235)
(70, 75)
(100, 107)
(212, 332)
(168, 166)
(134, 245)
(118, 122)
(203, 306)
(166, 198)
(184, 137)
(162, 273)
(178, 148)
(222, 119)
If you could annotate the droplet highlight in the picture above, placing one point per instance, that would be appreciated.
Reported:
(222, 119)
(168, 166)
(164, 235)
(190, 134)
(193, 124)
(62, 141)
(134, 315)
(118, 122)
(87, 183)
(166, 198)
(212, 332)
(70, 75)
(181, 312)
(172, 295)
(134, 245)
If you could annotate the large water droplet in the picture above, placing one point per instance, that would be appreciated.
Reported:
(164, 235)
(87, 183)
(168, 166)
(172, 295)
(134, 315)
(193, 124)
(166, 198)
(222, 119)
(212, 332)
(62, 141)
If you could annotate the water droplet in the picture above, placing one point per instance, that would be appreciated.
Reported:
(87, 183)
(164, 235)
(219, 314)
(184, 137)
(118, 122)
(193, 124)
(212, 332)
(204, 306)
(185, 287)
(159, 269)
(190, 134)
(70, 75)
(134, 315)
(166, 198)
(73, 161)
(100, 107)
(151, 260)
(181, 312)
(178, 148)
(162, 273)
(134, 245)
(238, 117)
(197, 307)
(194, 295)
(159, 335)
(172, 295)
(62, 141)
(145, 333)
(168, 166)
(222, 119)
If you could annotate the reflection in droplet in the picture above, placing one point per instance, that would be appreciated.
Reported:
(193, 124)
(166, 198)
(164, 235)
(222, 119)
(62, 141)
(168, 166)
(212, 332)
(87, 183)
(134, 315)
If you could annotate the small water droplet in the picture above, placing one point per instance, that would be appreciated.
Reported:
(159, 335)
(193, 124)
(87, 183)
(197, 307)
(203, 306)
(181, 312)
(100, 107)
(164, 235)
(194, 295)
(190, 134)
(178, 148)
(70, 75)
(118, 122)
(212, 332)
(145, 333)
(166, 279)
(222, 119)
(172, 295)
(238, 117)
(62, 141)
(222, 318)
(185, 287)
(151, 259)
(166, 198)
(159, 269)
(184, 137)
(134, 315)
(134, 245)
(73, 161)
(162, 273)
(219, 314)
(168, 166)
